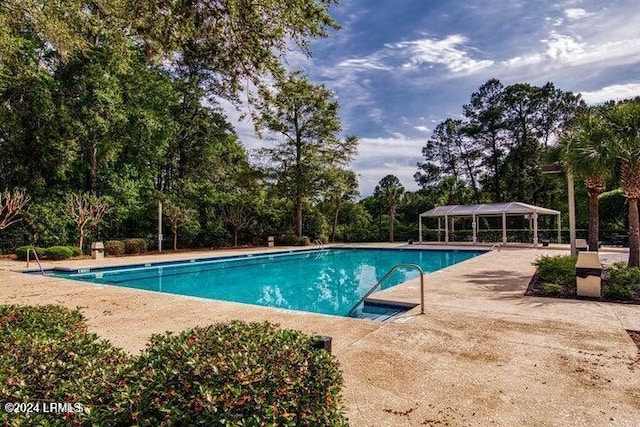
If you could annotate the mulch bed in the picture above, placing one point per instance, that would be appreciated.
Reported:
(570, 292)
(635, 336)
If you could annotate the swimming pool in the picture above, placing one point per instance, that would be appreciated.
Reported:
(329, 281)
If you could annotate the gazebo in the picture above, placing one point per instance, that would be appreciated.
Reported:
(503, 210)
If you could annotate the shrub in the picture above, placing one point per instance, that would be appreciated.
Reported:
(114, 247)
(559, 269)
(287, 240)
(75, 250)
(58, 252)
(552, 288)
(225, 374)
(624, 282)
(21, 252)
(232, 374)
(46, 355)
(303, 241)
(135, 246)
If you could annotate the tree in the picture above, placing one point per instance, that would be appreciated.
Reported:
(178, 216)
(586, 153)
(451, 153)
(85, 209)
(305, 118)
(239, 217)
(485, 125)
(390, 191)
(624, 122)
(11, 204)
(342, 186)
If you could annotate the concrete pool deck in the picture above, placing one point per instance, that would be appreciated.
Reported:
(483, 353)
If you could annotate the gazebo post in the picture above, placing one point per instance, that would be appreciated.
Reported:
(504, 227)
(446, 229)
(419, 228)
(439, 229)
(535, 228)
(559, 228)
(473, 226)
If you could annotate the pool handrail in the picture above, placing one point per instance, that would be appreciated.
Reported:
(385, 277)
(35, 256)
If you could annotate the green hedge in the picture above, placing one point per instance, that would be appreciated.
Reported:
(53, 252)
(135, 246)
(558, 269)
(21, 252)
(47, 355)
(114, 248)
(624, 282)
(225, 374)
(58, 252)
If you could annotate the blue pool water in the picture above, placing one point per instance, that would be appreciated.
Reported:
(329, 281)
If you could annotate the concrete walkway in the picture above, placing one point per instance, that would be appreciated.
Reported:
(483, 354)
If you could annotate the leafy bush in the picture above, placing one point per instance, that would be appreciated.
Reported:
(135, 246)
(47, 355)
(558, 269)
(552, 288)
(225, 374)
(75, 250)
(232, 374)
(58, 252)
(21, 252)
(287, 240)
(303, 241)
(114, 248)
(624, 282)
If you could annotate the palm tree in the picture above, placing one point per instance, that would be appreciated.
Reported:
(624, 122)
(586, 152)
(390, 191)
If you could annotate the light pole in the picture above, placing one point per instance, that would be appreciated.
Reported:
(556, 168)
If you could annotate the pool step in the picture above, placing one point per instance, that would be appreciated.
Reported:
(379, 312)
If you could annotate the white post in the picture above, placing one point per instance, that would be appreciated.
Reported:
(559, 228)
(159, 226)
(504, 227)
(535, 228)
(473, 226)
(572, 212)
(439, 229)
(419, 229)
(446, 229)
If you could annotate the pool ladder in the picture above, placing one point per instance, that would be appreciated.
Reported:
(384, 278)
(35, 256)
(318, 244)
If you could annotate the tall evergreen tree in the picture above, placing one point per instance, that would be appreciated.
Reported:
(303, 119)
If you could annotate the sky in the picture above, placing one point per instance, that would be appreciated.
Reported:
(398, 68)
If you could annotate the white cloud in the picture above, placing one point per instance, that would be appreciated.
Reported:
(445, 51)
(562, 47)
(378, 157)
(422, 129)
(364, 64)
(617, 92)
(574, 14)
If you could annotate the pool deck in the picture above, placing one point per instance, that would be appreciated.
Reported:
(482, 354)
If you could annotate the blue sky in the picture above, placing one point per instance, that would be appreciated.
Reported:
(398, 68)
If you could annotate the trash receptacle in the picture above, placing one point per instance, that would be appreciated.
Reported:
(588, 274)
(270, 242)
(97, 250)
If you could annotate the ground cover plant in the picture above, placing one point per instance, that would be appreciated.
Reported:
(556, 277)
(225, 374)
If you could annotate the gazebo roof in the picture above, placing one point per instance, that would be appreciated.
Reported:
(511, 208)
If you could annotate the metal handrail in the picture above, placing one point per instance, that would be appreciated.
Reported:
(319, 243)
(35, 256)
(385, 277)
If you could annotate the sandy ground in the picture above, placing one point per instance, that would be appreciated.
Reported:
(482, 354)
